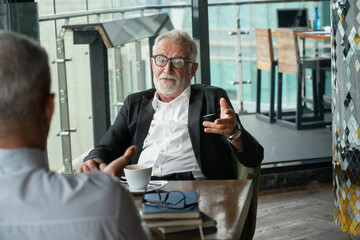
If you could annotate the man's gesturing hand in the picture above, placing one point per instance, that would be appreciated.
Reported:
(116, 167)
(226, 124)
(113, 169)
(91, 165)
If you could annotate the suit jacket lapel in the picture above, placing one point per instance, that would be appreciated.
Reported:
(195, 105)
(143, 124)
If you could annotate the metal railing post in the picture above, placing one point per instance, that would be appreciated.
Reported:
(60, 61)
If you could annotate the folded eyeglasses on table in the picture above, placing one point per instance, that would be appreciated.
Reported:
(172, 199)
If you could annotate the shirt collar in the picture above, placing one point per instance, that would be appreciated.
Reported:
(31, 157)
(186, 93)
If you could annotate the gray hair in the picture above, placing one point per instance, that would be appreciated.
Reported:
(179, 36)
(24, 81)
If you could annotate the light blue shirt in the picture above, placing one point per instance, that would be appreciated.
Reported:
(38, 204)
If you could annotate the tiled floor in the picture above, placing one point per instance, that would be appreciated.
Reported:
(304, 212)
(284, 144)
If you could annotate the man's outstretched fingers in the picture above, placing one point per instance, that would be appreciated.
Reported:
(115, 167)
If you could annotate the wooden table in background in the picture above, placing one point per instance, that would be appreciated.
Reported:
(316, 35)
(226, 201)
(311, 34)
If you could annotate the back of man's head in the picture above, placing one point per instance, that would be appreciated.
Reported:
(24, 83)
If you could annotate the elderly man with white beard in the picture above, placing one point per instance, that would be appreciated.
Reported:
(183, 131)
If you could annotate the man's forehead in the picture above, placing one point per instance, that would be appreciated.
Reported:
(168, 46)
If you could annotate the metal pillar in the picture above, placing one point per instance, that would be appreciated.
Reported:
(200, 24)
(20, 16)
(63, 101)
(99, 81)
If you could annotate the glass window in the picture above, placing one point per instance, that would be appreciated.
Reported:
(224, 61)
(129, 64)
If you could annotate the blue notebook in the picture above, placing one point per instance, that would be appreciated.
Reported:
(162, 212)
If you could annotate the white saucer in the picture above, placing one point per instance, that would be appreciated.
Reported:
(153, 185)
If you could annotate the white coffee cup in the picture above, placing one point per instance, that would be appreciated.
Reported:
(137, 176)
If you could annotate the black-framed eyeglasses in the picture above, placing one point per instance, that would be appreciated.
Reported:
(172, 199)
(176, 62)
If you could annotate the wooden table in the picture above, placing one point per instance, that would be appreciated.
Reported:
(316, 35)
(309, 34)
(226, 201)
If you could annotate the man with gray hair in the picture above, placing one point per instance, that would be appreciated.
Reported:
(34, 202)
(183, 131)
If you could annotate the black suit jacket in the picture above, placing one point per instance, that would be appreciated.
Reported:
(213, 152)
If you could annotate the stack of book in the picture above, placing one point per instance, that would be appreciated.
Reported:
(174, 218)
(207, 222)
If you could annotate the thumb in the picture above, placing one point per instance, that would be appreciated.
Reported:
(225, 110)
(223, 104)
(115, 167)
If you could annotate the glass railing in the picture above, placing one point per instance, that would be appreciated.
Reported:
(126, 60)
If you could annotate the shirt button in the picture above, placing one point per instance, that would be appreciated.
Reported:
(166, 135)
(156, 166)
(170, 104)
(162, 150)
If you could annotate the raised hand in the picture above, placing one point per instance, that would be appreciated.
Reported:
(115, 168)
(226, 124)
(91, 165)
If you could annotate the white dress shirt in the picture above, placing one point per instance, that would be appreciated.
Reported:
(38, 204)
(167, 146)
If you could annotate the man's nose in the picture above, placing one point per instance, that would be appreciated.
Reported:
(168, 68)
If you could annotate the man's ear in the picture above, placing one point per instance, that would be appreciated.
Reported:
(194, 69)
(49, 108)
(152, 64)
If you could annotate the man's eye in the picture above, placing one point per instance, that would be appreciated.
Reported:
(177, 61)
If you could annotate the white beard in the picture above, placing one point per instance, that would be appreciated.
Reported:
(169, 89)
